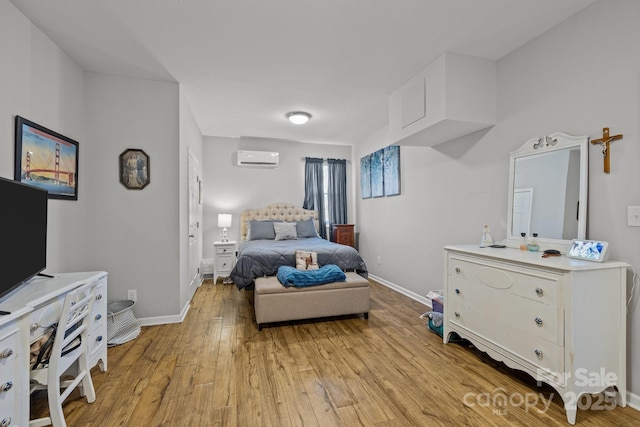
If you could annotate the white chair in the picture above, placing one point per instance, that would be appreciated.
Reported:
(73, 323)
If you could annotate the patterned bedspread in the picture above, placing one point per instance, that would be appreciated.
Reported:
(257, 258)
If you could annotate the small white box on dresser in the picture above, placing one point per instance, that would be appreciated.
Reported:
(224, 258)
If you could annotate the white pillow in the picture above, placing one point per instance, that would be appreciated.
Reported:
(285, 230)
(306, 260)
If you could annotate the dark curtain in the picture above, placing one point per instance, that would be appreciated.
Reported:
(313, 191)
(337, 191)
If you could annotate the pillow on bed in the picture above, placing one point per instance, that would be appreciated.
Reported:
(306, 260)
(285, 230)
(306, 228)
(261, 230)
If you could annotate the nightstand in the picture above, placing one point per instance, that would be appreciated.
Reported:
(224, 256)
(343, 234)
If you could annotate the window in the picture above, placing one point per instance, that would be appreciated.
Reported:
(325, 196)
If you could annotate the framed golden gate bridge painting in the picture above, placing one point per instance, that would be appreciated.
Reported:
(46, 159)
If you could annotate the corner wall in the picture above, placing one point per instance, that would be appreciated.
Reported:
(134, 234)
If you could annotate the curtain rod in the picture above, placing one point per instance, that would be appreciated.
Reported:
(324, 160)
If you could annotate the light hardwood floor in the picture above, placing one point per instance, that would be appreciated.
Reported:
(216, 369)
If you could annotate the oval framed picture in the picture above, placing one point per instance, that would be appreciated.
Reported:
(134, 169)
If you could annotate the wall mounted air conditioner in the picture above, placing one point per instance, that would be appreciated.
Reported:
(265, 159)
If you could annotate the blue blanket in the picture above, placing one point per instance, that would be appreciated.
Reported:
(290, 276)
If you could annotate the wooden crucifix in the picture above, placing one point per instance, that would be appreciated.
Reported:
(606, 141)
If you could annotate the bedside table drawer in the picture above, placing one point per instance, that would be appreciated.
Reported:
(224, 263)
(225, 250)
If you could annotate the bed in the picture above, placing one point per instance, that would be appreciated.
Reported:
(259, 255)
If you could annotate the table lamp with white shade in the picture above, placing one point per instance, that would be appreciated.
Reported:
(224, 221)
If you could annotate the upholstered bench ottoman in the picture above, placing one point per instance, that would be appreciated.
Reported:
(275, 303)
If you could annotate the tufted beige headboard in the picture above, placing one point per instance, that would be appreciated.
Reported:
(284, 212)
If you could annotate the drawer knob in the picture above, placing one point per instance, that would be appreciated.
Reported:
(457, 313)
(98, 316)
(538, 353)
(538, 321)
(6, 353)
(34, 327)
(539, 292)
(7, 386)
(458, 270)
(99, 338)
(98, 297)
(6, 422)
(457, 291)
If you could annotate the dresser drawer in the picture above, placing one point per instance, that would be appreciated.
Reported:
(43, 317)
(224, 263)
(98, 325)
(97, 341)
(528, 283)
(522, 315)
(225, 250)
(9, 395)
(9, 342)
(511, 335)
(99, 306)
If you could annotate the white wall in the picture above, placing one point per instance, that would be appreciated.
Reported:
(577, 78)
(42, 84)
(230, 189)
(134, 234)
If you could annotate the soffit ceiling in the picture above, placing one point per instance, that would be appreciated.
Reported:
(242, 64)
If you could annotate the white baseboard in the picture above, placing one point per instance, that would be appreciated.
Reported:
(163, 320)
(633, 400)
(422, 299)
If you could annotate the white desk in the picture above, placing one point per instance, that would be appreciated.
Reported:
(34, 306)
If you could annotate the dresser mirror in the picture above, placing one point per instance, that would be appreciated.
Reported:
(548, 179)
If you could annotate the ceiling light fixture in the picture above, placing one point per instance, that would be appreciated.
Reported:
(298, 117)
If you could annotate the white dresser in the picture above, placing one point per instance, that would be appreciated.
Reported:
(33, 307)
(561, 320)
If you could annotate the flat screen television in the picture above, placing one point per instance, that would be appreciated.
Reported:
(23, 233)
